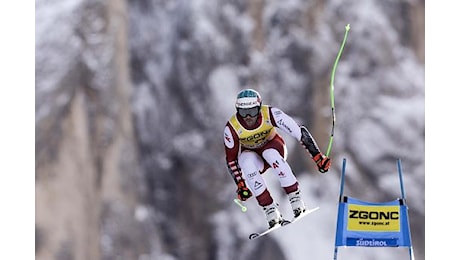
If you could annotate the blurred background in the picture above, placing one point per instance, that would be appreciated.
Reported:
(131, 98)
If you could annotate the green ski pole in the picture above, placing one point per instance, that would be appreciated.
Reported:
(238, 202)
(329, 146)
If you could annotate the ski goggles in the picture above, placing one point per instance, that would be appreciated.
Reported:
(244, 112)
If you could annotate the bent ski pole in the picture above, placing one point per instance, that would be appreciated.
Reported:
(238, 202)
(329, 146)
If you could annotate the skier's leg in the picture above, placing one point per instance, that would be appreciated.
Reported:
(286, 177)
(282, 169)
(251, 164)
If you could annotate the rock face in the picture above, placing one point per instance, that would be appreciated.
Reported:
(132, 98)
(87, 173)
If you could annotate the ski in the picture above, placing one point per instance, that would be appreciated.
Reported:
(285, 222)
(303, 214)
(275, 227)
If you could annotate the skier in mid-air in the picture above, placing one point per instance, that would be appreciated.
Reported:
(252, 145)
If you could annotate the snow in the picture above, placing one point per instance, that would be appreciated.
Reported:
(441, 126)
(314, 235)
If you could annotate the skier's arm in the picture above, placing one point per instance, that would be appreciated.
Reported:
(231, 154)
(322, 162)
(285, 123)
(232, 144)
(301, 133)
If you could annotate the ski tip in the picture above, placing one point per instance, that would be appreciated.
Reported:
(253, 236)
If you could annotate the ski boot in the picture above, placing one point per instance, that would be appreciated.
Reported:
(298, 207)
(273, 214)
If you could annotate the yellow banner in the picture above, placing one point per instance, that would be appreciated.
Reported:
(373, 218)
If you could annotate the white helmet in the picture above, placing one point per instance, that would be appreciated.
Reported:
(248, 98)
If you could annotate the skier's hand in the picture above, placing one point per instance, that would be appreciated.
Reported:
(323, 162)
(243, 192)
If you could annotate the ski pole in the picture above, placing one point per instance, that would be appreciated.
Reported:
(329, 146)
(238, 202)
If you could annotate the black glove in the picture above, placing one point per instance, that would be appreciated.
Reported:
(243, 192)
(323, 162)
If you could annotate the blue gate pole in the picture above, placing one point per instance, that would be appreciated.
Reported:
(342, 183)
(403, 194)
